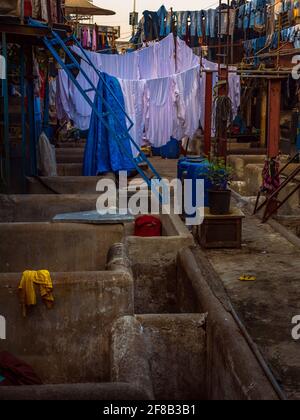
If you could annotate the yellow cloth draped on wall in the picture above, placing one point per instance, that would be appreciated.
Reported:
(29, 279)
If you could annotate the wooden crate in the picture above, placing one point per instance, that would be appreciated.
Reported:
(221, 231)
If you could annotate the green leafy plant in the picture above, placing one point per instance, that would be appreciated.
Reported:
(219, 174)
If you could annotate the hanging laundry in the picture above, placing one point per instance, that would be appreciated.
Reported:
(133, 92)
(187, 91)
(185, 17)
(193, 27)
(179, 23)
(234, 89)
(36, 9)
(211, 20)
(168, 29)
(151, 25)
(156, 66)
(164, 58)
(84, 38)
(160, 110)
(162, 14)
(95, 39)
(241, 15)
(89, 38)
(247, 13)
(102, 152)
(63, 102)
(185, 58)
(44, 10)
(232, 17)
(46, 157)
(27, 292)
(200, 15)
(147, 63)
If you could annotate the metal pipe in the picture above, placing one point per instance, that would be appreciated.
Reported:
(219, 36)
(208, 113)
(263, 118)
(263, 72)
(133, 19)
(6, 112)
(274, 91)
(22, 12)
(261, 77)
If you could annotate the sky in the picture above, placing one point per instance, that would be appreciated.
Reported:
(124, 7)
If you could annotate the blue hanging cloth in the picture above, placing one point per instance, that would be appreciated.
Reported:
(102, 152)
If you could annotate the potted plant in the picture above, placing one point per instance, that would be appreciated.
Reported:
(220, 175)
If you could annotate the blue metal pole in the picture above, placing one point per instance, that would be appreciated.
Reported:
(6, 113)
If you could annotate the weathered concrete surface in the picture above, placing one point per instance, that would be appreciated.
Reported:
(167, 168)
(268, 305)
(164, 354)
(290, 222)
(42, 208)
(56, 247)
(75, 392)
(71, 342)
(233, 372)
(253, 178)
(65, 184)
(129, 355)
(153, 263)
(291, 206)
(239, 162)
(176, 350)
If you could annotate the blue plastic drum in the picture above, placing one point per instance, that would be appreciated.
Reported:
(195, 168)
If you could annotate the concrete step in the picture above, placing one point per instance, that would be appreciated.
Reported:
(69, 155)
(71, 144)
(35, 208)
(65, 184)
(248, 151)
(69, 169)
(237, 146)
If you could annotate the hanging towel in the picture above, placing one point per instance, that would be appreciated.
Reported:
(29, 279)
